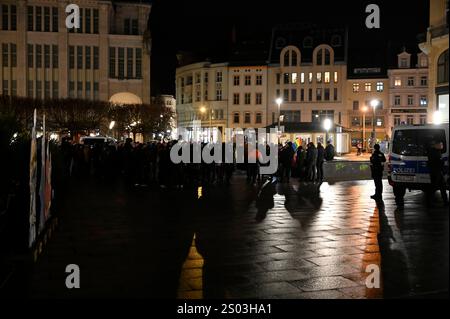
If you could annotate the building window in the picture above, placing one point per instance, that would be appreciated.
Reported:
(80, 29)
(355, 87)
(293, 95)
(277, 93)
(248, 80)
(410, 81)
(302, 95)
(95, 23)
(55, 56)
(55, 93)
(96, 90)
(327, 77)
(121, 63)
(47, 19)
(310, 77)
(71, 89)
(13, 19)
(443, 68)
(294, 58)
(205, 77)
(286, 95)
(320, 115)
(379, 121)
(258, 118)
(368, 87)
(198, 95)
(38, 89)
(410, 100)
(259, 80)
(318, 94)
(258, 99)
(79, 89)
(423, 81)
(47, 89)
(380, 87)
(87, 21)
(5, 87)
(423, 101)
(294, 78)
(30, 55)
(410, 120)
(398, 82)
(134, 27)
(30, 89)
(302, 77)
(319, 57)
(247, 118)
(423, 119)
(38, 56)
(30, 19)
(326, 94)
(112, 62)
(397, 120)
(219, 77)
(219, 95)
(236, 80)
(46, 56)
(38, 21)
(71, 57)
(397, 100)
(14, 88)
(356, 121)
(55, 19)
(138, 63)
(403, 62)
(5, 17)
(355, 105)
(13, 55)
(126, 26)
(319, 77)
(336, 94)
(236, 98)
(96, 61)
(286, 58)
(79, 57)
(327, 57)
(88, 90)
(130, 63)
(278, 78)
(5, 54)
(310, 97)
(236, 119)
(424, 61)
(286, 78)
(336, 77)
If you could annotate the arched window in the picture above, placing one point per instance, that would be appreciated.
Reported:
(294, 58)
(286, 58)
(443, 68)
(319, 57)
(327, 57)
(307, 42)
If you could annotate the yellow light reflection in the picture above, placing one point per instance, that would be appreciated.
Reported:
(191, 277)
(200, 192)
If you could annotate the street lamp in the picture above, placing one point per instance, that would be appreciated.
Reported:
(327, 123)
(203, 110)
(364, 110)
(279, 100)
(374, 103)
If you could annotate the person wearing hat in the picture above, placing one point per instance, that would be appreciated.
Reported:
(377, 161)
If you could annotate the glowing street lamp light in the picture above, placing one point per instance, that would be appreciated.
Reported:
(437, 118)
(279, 100)
(373, 103)
(112, 124)
(327, 124)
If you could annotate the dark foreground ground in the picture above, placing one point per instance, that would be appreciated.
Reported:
(285, 241)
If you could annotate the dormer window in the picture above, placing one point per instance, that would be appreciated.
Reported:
(404, 63)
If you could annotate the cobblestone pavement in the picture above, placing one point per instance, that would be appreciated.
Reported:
(237, 241)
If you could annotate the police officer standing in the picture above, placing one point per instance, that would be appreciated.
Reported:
(377, 165)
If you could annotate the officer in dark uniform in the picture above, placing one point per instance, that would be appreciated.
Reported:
(377, 165)
(436, 167)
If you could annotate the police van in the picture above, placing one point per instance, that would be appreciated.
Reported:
(407, 160)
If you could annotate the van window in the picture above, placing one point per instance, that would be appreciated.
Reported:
(416, 142)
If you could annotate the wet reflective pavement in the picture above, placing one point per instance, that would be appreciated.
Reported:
(242, 241)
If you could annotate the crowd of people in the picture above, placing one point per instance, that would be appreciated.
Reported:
(143, 164)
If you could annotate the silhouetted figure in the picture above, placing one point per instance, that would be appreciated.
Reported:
(377, 161)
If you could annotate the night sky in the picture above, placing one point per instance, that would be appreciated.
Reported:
(205, 28)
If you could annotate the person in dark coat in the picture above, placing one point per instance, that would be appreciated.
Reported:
(436, 168)
(329, 151)
(320, 160)
(287, 154)
(301, 159)
(311, 162)
(377, 161)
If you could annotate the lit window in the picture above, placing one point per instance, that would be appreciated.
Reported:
(319, 77)
(380, 87)
(398, 82)
(368, 87)
(423, 101)
(327, 77)
(294, 78)
(310, 77)
(355, 87)
(335, 77)
(302, 77)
